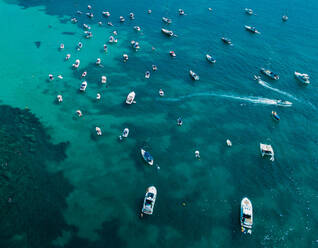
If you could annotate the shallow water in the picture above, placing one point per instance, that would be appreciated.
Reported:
(108, 178)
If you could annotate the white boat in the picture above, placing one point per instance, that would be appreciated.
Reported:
(83, 86)
(84, 74)
(85, 26)
(252, 29)
(147, 74)
(104, 79)
(98, 61)
(210, 59)
(135, 45)
(121, 19)
(302, 77)
(125, 57)
(166, 20)
(154, 67)
(112, 39)
(106, 13)
(59, 98)
(149, 201)
(229, 143)
(76, 64)
(284, 18)
(137, 28)
(68, 56)
(149, 11)
(61, 46)
(197, 154)
(249, 11)
(167, 32)
(172, 54)
(194, 75)
(79, 46)
(270, 74)
(132, 16)
(124, 134)
(161, 92)
(98, 131)
(98, 96)
(51, 77)
(181, 12)
(130, 98)
(246, 215)
(267, 150)
(147, 156)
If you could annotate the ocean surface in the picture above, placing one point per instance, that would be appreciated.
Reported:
(73, 189)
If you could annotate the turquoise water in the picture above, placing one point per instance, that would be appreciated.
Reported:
(106, 179)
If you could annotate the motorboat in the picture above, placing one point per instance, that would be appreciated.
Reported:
(246, 216)
(104, 79)
(149, 11)
(100, 23)
(267, 150)
(194, 75)
(74, 20)
(275, 116)
(106, 13)
(125, 57)
(172, 54)
(88, 34)
(302, 77)
(167, 32)
(284, 103)
(59, 98)
(105, 48)
(179, 121)
(84, 74)
(115, 32)
(61, 46)
(270, 74)
(124, 134)
(252, 29)
(51, 77)
(68, 56)
(130, 98)
(154, 67)
(226, 40)
(147, 74)
(121, 19)
(60, 76)
(135, 45)
(98, 61)
(79, 113)
(98, 96)
(83, 86)
(197, 154)
(248, 11)
(112, 39)
(161, 92)
(90, 15)
(76, 64)
(166, 20)
(89, 7)
(210, 9)
(79, 46)
(110, 24)
(284, 18)
(137, 28)
(149, 201)
(85, 26)
(229, 143)
(98, 131)
(210, 59)
(147, 156)
(131, 16)
(181, 12)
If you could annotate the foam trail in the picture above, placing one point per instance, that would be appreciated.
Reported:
(266, 85)
(251, 99)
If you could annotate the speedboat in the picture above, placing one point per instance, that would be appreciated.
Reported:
(130, 98)
(147, 74)
(124, 134)
(76, 64)
(137, 28)
(210, 58)
(83, 86)
(98, 131)
(172, 53)
(275, 116)
(302, 77)
(167, 32)
(161, 92)
(267, 150)
(98, 61)
(154, 67)
(252, 29)
(67, 56)
(132, 16)
(149, 201)
(270, 74)
(122, 19)
(61, 46)
(166, 20)
(59, 98)
(285, 18)
(125, 57)
(194, 75)
(181, 12)
(106, 13)
(104, 79)
(135, 45)
(246, 215)
(179, 121)
(112, 39)
(249, 11)
(147, 156)
(84, 74)
(226, 41)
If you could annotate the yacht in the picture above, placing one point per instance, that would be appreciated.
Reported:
(270, 74)
(98, 96)
(167, 32)
(51, 77)
(172, 54)
(248, 11)
(194, 75)
(83, 86)
(90, 15)
(76, 64)
(252, 29)
(302, 77)
(130, 98)
(85, 26)
(147, 156)
(246, 215)
(104, 79)
(74, 20)
(275, 116)
(181, 12)
(285, 18)
(110, 24)
(79, 46)
(226, 41)
(88, 35)
(267, 150)
(210, 59)
(149, 201)
(166, 20)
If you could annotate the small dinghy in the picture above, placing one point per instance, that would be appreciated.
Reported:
(98, 131)
(149, 201)
(181, 12)
(98, 96)
(147, 157)
(135, 45)
(147, 74)
(124, 134)
(246, 216)
(197, 154)
(267, 150)
(83, 86)
(104, 79)
(226, 40)
(51, 77)
(210, 58)
(275, 116)
(130, 98)
(112, 39)
(132, 16)
(79, 46)
(149, 11)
